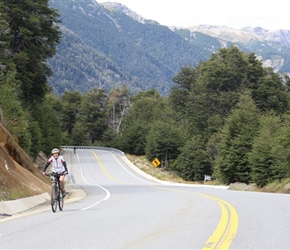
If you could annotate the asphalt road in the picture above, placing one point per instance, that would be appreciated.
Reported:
(123, 209)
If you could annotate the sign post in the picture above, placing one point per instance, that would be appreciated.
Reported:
(207, 178)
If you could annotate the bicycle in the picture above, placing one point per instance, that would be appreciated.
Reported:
(56, 192)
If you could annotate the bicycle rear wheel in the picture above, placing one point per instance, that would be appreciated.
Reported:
(60, 200)
(53, 198)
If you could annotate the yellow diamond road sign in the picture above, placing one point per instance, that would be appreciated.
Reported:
(156, 162)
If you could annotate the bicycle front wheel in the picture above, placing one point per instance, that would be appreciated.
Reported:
(60, 201)
(53, 198)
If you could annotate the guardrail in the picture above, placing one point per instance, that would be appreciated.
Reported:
(94, 147)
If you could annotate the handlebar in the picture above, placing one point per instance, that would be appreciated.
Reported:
(56, 174)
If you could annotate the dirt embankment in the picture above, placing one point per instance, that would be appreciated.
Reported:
(19, 177)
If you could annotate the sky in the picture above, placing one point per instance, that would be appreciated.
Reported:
(268, 14)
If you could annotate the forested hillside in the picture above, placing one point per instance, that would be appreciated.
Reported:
(140, 55)
(227, 117)
(75, 67)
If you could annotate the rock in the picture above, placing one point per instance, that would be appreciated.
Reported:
(286, 189)
(242, 186)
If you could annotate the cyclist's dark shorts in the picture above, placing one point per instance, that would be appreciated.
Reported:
(54, 173)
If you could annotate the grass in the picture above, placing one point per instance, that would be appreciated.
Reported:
(276, 186)
(18, 193)
(7, 194)
(142, 163)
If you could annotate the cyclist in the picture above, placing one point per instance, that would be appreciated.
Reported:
(58, 166)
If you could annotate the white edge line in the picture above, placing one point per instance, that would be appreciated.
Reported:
(108, 194)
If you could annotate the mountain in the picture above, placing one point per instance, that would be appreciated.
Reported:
(271, 47)
(106, 45)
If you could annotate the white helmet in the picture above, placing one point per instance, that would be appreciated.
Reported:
(55, 151)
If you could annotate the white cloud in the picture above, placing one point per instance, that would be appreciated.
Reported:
(268, 14)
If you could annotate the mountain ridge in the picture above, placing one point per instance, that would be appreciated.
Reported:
(250, 32)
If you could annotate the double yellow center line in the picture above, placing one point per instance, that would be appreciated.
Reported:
(227, 227)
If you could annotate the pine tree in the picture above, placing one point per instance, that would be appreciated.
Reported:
(33, 38)
(236, 141)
